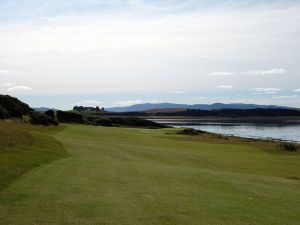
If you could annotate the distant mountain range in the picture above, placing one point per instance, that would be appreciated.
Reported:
(43, 109)
(215, 106)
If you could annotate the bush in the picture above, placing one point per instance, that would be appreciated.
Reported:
(37, 118)
(125, 122)
(190, 131)
(14, 106)
(106, 122)
(291, 147)
(4, 114)
(69, 117)
(50, 113)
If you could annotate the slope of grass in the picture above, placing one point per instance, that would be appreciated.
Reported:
(23, 148)
(137, 176)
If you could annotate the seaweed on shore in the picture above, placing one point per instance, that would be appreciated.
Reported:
(190, 131)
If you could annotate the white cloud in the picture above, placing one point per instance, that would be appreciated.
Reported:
(87, 103)
(266, 90)
(225, 86)
(201, 97)
(178, 92)
(19, 88)
(223, 74)
(7, 72)
(285, 96)
(2, 71)
(129, 102)
(297, 90)
(91, 102)
(154, 52)
(275, 71)
(8, 84)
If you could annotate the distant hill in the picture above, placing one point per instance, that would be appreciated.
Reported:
(215, 106)
(235, 113)
(44, 109)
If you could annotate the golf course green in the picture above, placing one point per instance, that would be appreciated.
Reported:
(92, 175)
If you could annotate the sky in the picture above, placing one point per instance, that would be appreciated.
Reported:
(59, 54)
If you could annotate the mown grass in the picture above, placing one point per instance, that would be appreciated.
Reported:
(138, 176)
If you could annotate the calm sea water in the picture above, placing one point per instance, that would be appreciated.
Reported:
(288, 131)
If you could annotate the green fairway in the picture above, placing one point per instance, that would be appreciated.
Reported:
(116, 176)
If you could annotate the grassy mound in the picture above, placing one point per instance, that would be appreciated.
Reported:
(11, 134)
(24, 148)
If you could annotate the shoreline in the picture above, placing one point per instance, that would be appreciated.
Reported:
(250, 120)
(191, 123)
(230, 137)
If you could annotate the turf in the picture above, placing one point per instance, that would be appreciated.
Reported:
(138, 176)
(24, 147)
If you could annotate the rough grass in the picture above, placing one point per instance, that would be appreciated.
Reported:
(140, 177)
(23, 148)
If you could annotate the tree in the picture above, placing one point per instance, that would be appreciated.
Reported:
(4, 114)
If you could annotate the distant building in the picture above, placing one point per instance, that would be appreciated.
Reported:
(166, 110)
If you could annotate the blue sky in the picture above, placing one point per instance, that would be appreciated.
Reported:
(120, 52)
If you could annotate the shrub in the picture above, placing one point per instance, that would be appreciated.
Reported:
(106, 122)
(69, 117)
(190, 131)
(50, 113)
(126, 122)
(14, 106)
(4, 114)
(291, 147)
(37, 118)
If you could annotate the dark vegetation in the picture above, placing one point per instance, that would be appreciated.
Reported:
(229, 113)
(13, 106)
(236, 113)
(291, 147)
(115, 114)
(92, 117)
(294, 178)
(69, 117)
(37, 118)
(4, 114)
(224, 113)
(50, 113)
(88, 109)
(124, 122)
(190, 131)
